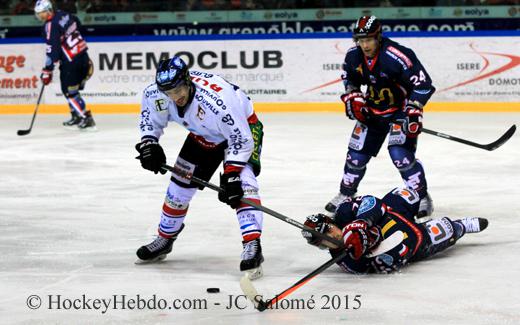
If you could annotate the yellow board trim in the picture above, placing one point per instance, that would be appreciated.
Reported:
(267, 107)
(388, 225)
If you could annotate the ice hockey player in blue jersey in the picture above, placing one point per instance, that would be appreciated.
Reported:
(398, 87)
(361, 223)
(223, 127)
(64, 44)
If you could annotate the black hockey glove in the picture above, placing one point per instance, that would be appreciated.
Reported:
(151, 155)
(321, 224)
(414, 115)
(232, 186)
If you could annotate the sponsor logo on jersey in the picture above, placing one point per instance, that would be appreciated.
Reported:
(149, 93)
(201, 113)
(206, 83)
(359, 69)
(400, 55)
(367, 204)
(160, 105)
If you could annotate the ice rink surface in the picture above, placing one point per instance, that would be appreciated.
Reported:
(74, 207)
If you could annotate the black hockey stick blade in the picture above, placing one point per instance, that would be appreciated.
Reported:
(490, 146)
(25, 132)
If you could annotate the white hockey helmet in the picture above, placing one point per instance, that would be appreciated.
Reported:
(43, 5)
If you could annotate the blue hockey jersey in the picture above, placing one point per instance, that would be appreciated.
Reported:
(393, 76)
(63, 38)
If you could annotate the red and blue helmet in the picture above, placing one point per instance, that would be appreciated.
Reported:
(367, 26)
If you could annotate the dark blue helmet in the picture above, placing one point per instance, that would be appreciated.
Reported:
(171, 73)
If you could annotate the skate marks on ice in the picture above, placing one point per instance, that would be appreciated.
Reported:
(74, 208)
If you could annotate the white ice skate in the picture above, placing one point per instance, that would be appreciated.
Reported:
(425, 209)
(336, 201)
(473, 224)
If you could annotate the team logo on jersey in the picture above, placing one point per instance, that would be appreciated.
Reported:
(201, 113)
(367, 204)
(359, 69)
(160, 105)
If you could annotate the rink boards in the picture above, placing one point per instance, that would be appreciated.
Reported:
(475, 71)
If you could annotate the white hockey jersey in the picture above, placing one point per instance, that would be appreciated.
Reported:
(218, 112)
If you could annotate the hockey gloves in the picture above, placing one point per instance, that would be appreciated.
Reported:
(359, 237)
(151, 155)
(414, 115)
(319, 222)
(232, 192)
(355, 106)
(46, 76)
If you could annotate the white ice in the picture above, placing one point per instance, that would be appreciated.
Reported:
(74, 207)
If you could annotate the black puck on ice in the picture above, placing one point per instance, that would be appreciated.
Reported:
(213, 290)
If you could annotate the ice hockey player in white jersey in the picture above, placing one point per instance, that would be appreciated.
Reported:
(223, 127)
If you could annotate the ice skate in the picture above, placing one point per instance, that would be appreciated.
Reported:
(157, 250)
(336, 201)
(74, 120)
(473, 224)
(252, 259)
(425, 207)
(87, 123)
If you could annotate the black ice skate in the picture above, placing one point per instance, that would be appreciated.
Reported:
(156, 250)
(252, 259)
(473, 224)
(87, 123)
(333, 204)
(425, 207)
(73, 121)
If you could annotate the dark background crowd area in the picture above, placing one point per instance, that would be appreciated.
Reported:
(25, 7)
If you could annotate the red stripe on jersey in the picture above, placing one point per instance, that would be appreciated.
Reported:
(174, 212)
(252, 119)
(401, 56)
(375, 111)
(372, 63)
(203, 142)
(416, 230)
(232, 168)
(404, 250)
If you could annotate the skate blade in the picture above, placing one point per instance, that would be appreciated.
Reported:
(70, 127)
(153, 260)
(419, 219)
(255, 273)
(89, 129)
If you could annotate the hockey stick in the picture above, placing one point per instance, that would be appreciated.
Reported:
(25, 132)
(252, 294)
(490, 146)
(262, 208)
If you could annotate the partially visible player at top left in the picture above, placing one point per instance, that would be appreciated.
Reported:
(64, 44)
